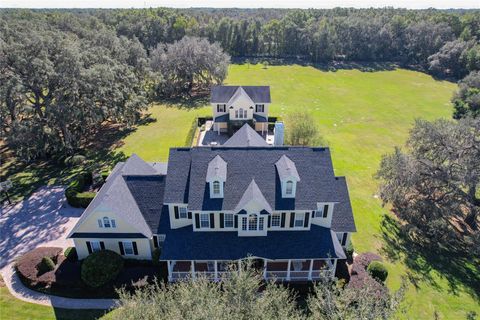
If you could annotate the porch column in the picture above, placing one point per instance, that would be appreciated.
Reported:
(288, 269)
(169, 269)
(239, 265)
(334, 268)
(310, 270)
(193, 269)
(265, 269)
(216, 271)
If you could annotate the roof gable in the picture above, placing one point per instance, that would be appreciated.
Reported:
(223, 94)
(136, 166)
(253, 199)
(246, 137)
(217, 169)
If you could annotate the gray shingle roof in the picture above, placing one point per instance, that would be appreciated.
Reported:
(258, 94)
(259, 118)
(286, 168)
(217, 168)
(342, 220)
(223, 118)
(246, 137)
(116, 196)
(253, 193)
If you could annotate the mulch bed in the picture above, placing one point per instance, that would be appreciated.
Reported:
(65, 279)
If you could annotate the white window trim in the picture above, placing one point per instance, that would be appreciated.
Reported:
(225, 220)
(185, 213)
(208, 220)
(92, 245)
(125, 250)
(289, 191)
(298, 214)
(216, 191)
(111, 223)
(279, 221)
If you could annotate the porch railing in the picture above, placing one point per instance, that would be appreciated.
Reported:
(270, 274)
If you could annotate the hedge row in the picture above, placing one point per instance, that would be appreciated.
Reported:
(75, 197)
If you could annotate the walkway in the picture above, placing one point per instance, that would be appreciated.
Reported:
(42, 220)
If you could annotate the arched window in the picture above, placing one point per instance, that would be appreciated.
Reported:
(216, 187)
(240, 113)
(252, 222)
(289, 187)
(106, 222)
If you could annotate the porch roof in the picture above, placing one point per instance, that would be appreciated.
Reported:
(185, 244)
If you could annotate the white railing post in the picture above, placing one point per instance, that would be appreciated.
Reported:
(216, 271)
(169, 268)
(310, 270)
(288, 269)
(239, 265)
(265, 269)
(193, 269)
(334, 268)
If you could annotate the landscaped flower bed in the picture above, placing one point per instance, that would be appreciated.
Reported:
(65, 279)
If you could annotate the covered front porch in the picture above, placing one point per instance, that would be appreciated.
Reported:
(279, 270)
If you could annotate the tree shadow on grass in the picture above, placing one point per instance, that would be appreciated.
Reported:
(188, 102)
(73, 314)
(452, 261)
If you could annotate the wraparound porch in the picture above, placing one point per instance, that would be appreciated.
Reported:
(280, 270)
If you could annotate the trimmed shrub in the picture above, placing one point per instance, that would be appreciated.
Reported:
(45, 265)
(71, 254)
(378, 271)
(364, 259)
(75, 197)
(100, 268)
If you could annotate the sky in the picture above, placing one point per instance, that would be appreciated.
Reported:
(411, 4)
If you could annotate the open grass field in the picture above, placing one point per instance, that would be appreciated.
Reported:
(362, 115)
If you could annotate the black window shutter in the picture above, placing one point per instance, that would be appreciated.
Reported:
(135, 250)
(313, 214)
(89, 247)
(292, 219)
(189, 214)
(212, 221)
(344, 238)
(102, 245)
(325, 211)
(120, 245)
(269, 221)
(222, 222)
(155, 241)
(175, 209)
(236, 221)
(283, 219)
(305, 224)
(197, 221)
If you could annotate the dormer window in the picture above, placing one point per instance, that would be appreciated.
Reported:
(216, 176)
(216, 188)
(289, 178)
(289, 188)
(106, 222)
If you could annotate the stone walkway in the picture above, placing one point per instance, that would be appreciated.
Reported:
(42, 220)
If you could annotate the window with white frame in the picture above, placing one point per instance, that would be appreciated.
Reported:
(106, 222)
(95, 245)
(276, 220)
(240, 113)
(261, 221)
(128, 248)
(228, 220)
(204, 220)
(322, 212)
(221, 107)
(244, 224)
(216, 187)
(289, 188)
(183, 212)
(259, 108)
(299, 218)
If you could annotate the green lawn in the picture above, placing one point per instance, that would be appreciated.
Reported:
(14, 309)
(362, 115)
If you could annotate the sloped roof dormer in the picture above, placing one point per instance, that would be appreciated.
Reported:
(246, 137)
(217, 170)
(286, 169)
(253, 199)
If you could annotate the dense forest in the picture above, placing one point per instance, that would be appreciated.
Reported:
(63, 72)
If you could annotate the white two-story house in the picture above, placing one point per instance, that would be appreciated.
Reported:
(210, 207)
(235, 105)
